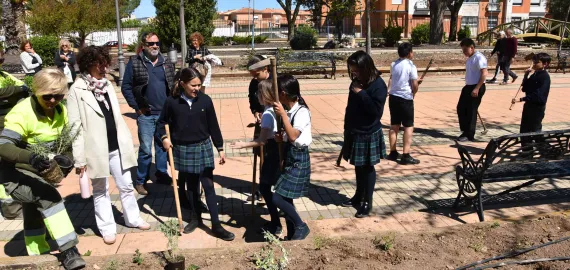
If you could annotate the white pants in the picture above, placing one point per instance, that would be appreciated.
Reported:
(103, 209)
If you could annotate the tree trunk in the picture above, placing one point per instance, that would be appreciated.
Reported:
(12, 43)
(453, 26)
(339, 30)
(368, 34)
(436, 9)
(21, 21)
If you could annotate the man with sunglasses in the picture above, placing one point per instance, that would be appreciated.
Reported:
(148, 80)
(12, 91)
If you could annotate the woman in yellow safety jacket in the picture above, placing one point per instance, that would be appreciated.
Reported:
(39, 118)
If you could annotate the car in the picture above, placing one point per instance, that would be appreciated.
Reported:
(114, 44)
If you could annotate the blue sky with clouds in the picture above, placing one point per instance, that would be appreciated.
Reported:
(146, 9)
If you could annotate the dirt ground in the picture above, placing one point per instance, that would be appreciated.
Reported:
(446, 248)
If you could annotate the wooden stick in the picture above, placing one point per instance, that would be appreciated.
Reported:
(277, 118)
(253, 184)
(174, 184)
(482, 123)
(339, 159)
(426, 70)
(518, 91)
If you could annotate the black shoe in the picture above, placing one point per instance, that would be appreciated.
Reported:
(221, 233)
(352, 202)
(514, 79)
(472, 139)
(408, 160)
(71, 259)
(462, 138)
(393, 156)
(271, 228)
(163, 178)
(194, 223)
(364, 210)
(301, 232)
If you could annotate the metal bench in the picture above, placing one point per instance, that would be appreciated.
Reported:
(514, 157)
(562, 57)
(289, 62)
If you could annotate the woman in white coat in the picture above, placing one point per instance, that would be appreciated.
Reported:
(104, 146)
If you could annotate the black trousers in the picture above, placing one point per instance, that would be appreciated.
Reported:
(532, 116)
(467, 110)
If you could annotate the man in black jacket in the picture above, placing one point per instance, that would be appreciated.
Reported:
(500, 50)
(148, 80)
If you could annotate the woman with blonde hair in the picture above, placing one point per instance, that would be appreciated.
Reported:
(104, 146)
(30, 60)
(64, 59)
(38, 119)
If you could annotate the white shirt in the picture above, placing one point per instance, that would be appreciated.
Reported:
(473, 67)
(188, 100)
(26, 61)
(402, 72)
(302, 123)
(268, 121)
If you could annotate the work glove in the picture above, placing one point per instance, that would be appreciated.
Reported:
(39, 163)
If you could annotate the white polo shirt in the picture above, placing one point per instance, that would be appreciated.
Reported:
(473, 67)
(302, 123)
(402, 72)
(268, 121)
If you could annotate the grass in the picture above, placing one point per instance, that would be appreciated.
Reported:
(320, 242)
(138, 257)
(385, 242)
(193, 267)
(273, 256)
(88, 253)
(495, 224)
(112, 265)
(478, 247)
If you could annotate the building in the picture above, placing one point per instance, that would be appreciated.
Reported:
(269, 18)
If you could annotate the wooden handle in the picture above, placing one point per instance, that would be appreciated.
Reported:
(275, 89)
(174, 184)
(518, 91)
(427, 68)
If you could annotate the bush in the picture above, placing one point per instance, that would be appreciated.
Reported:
(132, 47)
(45, 47)
(247, 40)
(304, 39)
(392, 34)
(131, 23)
(566, 42)
(420, 34)
(217, 41)
(464, 32)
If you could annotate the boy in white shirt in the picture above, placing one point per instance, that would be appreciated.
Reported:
(473, 91)
(403, 87)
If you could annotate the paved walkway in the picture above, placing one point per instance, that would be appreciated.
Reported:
(401, 191)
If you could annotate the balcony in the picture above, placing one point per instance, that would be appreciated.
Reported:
(493, 7)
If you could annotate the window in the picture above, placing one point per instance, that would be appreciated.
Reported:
(472, 22)
(396, 2)
(492, 22)
(535, 3)
(517, 2)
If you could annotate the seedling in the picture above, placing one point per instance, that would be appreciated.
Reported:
(266, 259)
(385, 242)
(138, 257)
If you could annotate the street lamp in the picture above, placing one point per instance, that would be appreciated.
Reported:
(253, 26)
(119, 38)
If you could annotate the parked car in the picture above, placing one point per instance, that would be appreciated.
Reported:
(114, 44)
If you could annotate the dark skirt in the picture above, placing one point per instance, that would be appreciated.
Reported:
(270, 168)
(367, 149)
(194, 158)
(295, 178)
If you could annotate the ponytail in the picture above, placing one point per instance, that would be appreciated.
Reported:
(290, 86)
(302, 102)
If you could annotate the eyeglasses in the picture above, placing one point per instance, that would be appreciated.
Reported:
(153, 43)
(57, 97)
(64, 46)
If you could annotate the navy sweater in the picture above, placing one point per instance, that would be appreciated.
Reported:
(364, 110)
(536, 87)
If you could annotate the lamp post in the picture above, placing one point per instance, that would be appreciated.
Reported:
(119, 38)
(182, 35)
(253, 26)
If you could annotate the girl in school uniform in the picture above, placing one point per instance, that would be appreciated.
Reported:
(294, 180)
(193, 124)
(270, 167)
(363, 137)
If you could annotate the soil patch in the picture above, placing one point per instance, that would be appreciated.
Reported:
(446, 248)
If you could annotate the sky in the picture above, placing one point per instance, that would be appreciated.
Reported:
(146, 9)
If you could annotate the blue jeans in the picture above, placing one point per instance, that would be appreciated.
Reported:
(147, 134)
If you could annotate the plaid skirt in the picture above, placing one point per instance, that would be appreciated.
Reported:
(368, 149)
(194, 158)
(294, 180)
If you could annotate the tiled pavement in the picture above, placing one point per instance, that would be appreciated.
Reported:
(399, 189)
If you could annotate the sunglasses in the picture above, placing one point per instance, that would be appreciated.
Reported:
(153, 43)
(64, 46)
(57, 97)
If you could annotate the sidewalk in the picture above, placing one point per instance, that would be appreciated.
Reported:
(402, 194)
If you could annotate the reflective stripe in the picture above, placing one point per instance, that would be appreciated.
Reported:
(36, 243)
(3, 196)
(11, 134)
(58, 223)
(70, 237)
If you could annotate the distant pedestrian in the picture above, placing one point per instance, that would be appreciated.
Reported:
(30, 60)
(64, 59)
(511, 48)
(499, 48)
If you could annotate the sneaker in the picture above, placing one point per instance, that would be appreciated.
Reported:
(492, 80)
(71, 260)
(270, 227)
(144, 227)
(393, 156)
(408, 160)
(109, 239)
(222, 233)
(503, 83)
(140, 189)
(163, 178)
(514, 79)
(462, 139)
(301, 232)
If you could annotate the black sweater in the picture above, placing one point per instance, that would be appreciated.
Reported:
(499, 47)
(536, 87)
(189, 126)
(254, 104)
(364, 110)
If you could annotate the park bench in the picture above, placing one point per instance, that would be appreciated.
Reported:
(562, 60)
(533, 156)
(12, 68)
(289, 62)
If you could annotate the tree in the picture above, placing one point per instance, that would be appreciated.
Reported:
(291, 9)
(339, 10)
(436, 9)
(558, 9)
(454, 6)
(316, 9)
(13, 20)
(48, 17)
(198, 14)
(128, 7)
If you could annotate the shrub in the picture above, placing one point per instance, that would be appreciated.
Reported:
(392, 34)
(217, 41)
(247, 40)
(132, 47)
(420, 34)
(304, 39)
(566, 42)
(464, 32)
(131, 23)
(45, 46)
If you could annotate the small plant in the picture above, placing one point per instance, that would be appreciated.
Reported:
(112, 265)
(320, 217)
(420, 34)
(193, 267)
(478, 247)
(305, 38)
(385, 242)
(87, 254)
(464, 32)
(495, 224)
(320, 242)
(170, 230)
(7, 81)
(138, 257)
(266, 259)
(62, 144)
